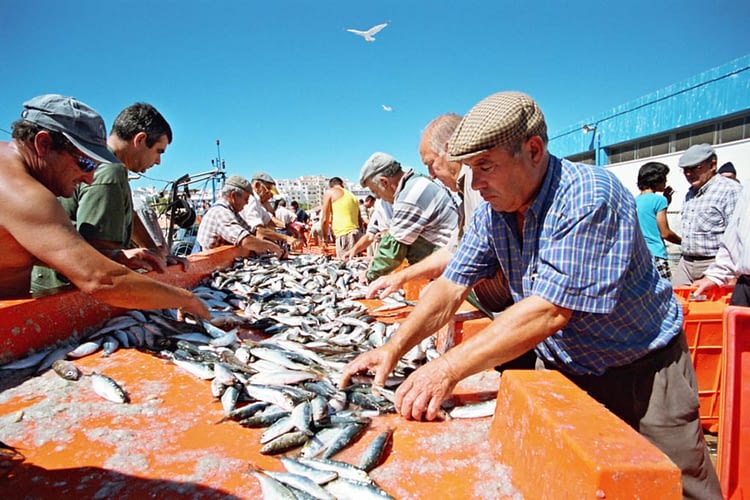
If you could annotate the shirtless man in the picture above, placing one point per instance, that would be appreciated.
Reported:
(57, 144)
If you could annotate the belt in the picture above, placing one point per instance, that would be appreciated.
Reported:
(691, 258)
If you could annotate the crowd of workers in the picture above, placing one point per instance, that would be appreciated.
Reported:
(569, 264)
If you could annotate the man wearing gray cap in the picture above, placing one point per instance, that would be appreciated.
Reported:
(708, 206)
(257, 214)
(587, 294)
(57, 144)
(223, 225)
(424, 214)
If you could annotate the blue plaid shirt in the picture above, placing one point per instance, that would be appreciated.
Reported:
(706, 213)
(582, 250)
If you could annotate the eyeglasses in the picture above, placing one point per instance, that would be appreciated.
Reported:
(85, 163)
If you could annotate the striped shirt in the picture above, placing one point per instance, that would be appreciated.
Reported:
(582, 250)
(221, 226)
(422, 208)
(705, 215)
(733, 256)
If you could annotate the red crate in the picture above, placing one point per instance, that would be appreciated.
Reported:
(734, 429)
(704, 330)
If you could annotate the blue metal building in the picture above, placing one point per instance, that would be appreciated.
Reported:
(712, 107)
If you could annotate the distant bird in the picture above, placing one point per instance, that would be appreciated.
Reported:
(368, 35)
(386, 107)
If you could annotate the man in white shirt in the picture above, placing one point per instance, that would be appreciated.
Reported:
(733, 257)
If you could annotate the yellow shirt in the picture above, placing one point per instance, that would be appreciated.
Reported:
(345, 216)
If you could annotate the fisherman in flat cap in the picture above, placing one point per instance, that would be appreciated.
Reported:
(587, 294)
(57, 144)
(708, 206)
(223, 225)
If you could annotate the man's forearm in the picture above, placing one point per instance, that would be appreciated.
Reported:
(429, 268)
(517, 330)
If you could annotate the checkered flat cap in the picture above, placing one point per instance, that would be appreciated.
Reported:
(505, 118)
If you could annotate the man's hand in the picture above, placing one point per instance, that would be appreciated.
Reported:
(379, 361)
(173, 260)
(384, 286)
(668, 192)
(421, 394)
(295, 244)
(197, 308)
(140, 258)
(702, 285)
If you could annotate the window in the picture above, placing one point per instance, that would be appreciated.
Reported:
(703, 135)
(588, 157)
(716, 132)
(660, 146)
(732, 130)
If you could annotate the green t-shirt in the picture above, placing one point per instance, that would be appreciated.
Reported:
(102, 210)
(391, 253)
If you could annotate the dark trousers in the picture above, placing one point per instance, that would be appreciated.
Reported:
(741, 294)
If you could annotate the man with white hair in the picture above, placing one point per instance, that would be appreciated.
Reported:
(424, 214)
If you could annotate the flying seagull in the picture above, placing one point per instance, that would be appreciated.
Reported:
(368, 35)
(386, 107)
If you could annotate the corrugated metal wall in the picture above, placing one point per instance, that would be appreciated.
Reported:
(718, 92)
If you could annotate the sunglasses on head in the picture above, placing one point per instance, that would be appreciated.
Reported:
(85, 163)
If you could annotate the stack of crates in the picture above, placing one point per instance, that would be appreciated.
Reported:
(704, 330)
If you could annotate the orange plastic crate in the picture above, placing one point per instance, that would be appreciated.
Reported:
(704, 331)
(734, 429)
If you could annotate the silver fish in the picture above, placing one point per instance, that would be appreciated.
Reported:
(200, 370)
(348, 488)
(474, 410)
(317, 475)
(85, 349)
(271, 488)
(343, 469)
(281, 426)
(374, 451)
(302, 483)
(283, 443)
(108, 388)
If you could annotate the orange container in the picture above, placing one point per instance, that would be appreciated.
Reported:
(734, 429)
(561, 443)
(704, 331)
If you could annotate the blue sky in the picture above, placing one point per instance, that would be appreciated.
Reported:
(287, 90)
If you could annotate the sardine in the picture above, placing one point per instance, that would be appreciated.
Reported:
(374, 451)
(285, 442)
(107, 388)
(302, 483)
(474, 410)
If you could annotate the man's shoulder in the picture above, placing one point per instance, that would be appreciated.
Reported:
(726, 184)
(110, 173)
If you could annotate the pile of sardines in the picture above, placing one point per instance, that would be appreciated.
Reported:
(279, 336)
